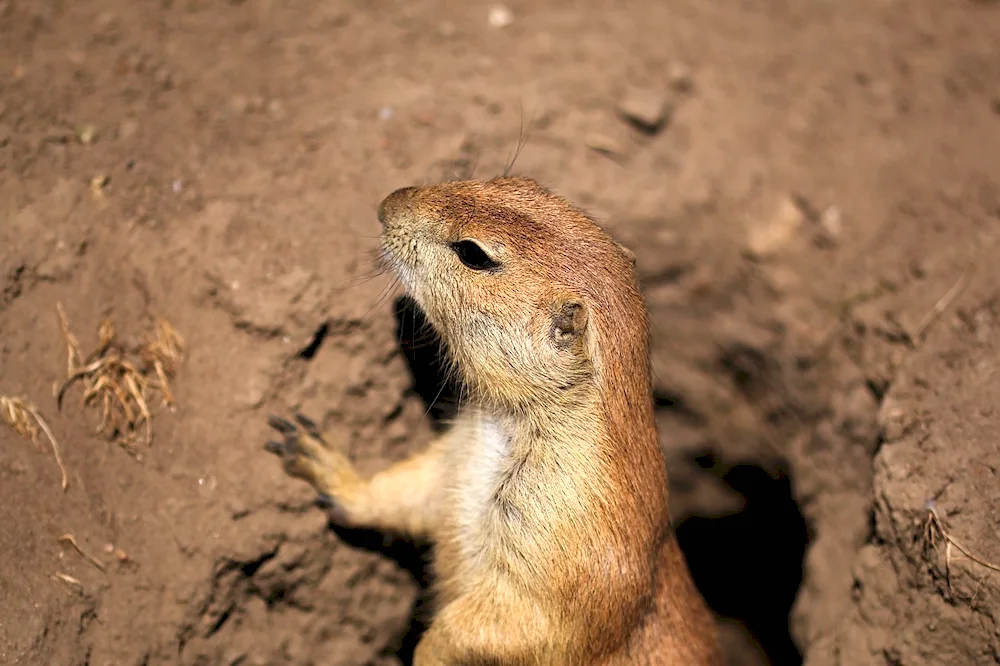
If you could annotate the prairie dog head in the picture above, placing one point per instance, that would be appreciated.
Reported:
(529, 294)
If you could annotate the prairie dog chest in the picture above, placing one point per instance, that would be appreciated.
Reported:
(481, 459)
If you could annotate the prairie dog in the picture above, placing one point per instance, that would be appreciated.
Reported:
(547, 499)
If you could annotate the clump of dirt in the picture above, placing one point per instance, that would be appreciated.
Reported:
(926, 586)
(804, 187)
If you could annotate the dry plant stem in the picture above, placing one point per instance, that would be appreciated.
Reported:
(15, 412)
(936, 522)
(934, 530)
(941, 306)
(73, 354)
(71, 540)
(69, 580)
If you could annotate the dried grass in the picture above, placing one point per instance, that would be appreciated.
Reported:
(120, 379)
(24, 418)
(934, 533)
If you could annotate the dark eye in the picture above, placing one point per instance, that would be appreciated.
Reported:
(474, 256)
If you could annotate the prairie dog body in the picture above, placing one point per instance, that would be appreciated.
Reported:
(547, 500)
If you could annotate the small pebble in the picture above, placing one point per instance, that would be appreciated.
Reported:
(385, 113)
(679, 77)
(104, 21)
(97, 185)
(646, 109)
(500, 16)
(447, 29)
(127, 129)
(163, 78)
(603, 143)
(239, 103)
(86, 134)
(832, 222)
(768, 237)
(275, 108)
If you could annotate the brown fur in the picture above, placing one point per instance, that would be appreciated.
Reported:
(547, 500)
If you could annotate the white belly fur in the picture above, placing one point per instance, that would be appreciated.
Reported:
(482, 455)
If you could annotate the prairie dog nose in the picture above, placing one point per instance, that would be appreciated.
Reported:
(392, 203)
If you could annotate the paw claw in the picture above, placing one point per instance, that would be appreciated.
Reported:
(304, 455)
(307, 423)
(284, 426)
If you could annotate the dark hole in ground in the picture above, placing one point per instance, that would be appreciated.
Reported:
(317, 341)
(748, 565)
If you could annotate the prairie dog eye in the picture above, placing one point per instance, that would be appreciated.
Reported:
(473, 256)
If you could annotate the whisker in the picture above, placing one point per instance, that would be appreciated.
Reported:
(522, 140)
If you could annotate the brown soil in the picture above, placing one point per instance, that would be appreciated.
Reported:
(825, 183)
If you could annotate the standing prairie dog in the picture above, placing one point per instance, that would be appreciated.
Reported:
(547, 499)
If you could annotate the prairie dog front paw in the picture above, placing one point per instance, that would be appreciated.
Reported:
(305, 454)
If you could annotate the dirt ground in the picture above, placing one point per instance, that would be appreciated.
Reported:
(817, 225)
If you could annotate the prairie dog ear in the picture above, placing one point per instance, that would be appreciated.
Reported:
(569, 322)
(628, 253)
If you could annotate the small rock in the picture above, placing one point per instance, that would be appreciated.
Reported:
(768, 237)
(235, 657)
(163, 78)
(276, 109)
(127, 129)
(893, 420)
(646, 109)
(239, 103)
(831, 222)
(104, 21)
(252, 393)
(679, 78)
(86, 134)
(97, 185)
(500, 16)
(603, 143)
(5, 133)
(57, 267)
(447, 29)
